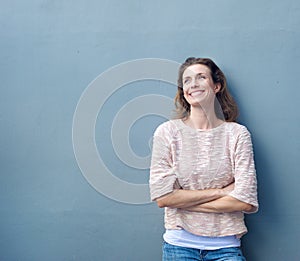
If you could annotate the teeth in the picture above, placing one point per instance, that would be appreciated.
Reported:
(196, 93)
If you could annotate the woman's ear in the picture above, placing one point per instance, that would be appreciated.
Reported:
(217, 87)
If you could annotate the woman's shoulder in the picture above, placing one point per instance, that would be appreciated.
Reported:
(169, 127)
(236, 128)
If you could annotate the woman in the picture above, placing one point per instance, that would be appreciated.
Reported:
(202, 169)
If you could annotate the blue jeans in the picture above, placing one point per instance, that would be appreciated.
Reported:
(177, 253)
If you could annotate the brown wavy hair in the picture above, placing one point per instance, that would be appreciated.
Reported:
(225, 106)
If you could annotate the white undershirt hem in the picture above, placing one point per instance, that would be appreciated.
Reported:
(180, 237)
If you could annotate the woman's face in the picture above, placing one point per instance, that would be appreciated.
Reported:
(198, 85)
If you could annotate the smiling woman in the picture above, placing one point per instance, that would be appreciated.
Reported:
(225, 106)
(199, 88)
(202, 169)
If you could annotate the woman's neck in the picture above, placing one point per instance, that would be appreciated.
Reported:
(201, 119)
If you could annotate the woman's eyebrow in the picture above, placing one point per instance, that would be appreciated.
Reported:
(189, 76)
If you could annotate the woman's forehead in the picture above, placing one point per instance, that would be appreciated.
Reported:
(196, 69)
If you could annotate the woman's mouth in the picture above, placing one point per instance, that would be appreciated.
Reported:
(196, 93)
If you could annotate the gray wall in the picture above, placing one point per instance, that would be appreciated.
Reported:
(51, 50)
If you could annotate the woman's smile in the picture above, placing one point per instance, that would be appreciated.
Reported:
(196, 93)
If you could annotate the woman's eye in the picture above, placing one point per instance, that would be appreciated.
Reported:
(201, 77)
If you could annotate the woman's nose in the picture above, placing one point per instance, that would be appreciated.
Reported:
(194, 83)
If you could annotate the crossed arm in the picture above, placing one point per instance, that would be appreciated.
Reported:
(208, 201)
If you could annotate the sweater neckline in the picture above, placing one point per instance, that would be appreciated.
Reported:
(200, 130)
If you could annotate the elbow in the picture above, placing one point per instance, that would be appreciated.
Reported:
(161, 203)
(248, 208)
(165, 201)
(168, 200)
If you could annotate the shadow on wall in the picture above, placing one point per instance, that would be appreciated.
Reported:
(269, 215)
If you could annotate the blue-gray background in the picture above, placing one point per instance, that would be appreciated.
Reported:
(51, 50)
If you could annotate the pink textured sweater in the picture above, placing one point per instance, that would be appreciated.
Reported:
(187, 158)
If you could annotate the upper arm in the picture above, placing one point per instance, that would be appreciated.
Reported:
(162, 172)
